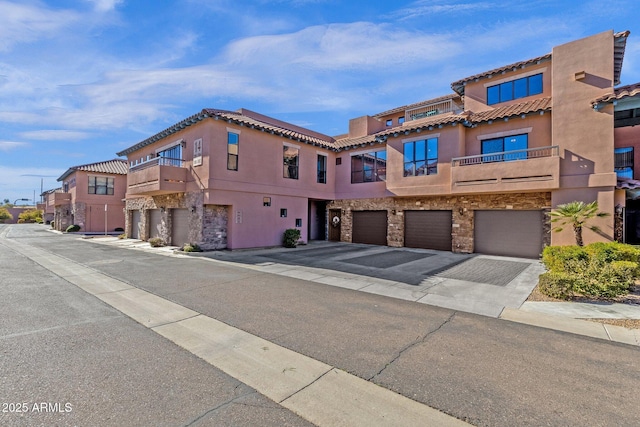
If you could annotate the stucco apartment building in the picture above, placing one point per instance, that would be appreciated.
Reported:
(477, 170)
(91, 196)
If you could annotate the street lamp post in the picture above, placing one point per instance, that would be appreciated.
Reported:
(20, 200)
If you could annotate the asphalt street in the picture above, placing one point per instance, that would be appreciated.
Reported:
(60, 344)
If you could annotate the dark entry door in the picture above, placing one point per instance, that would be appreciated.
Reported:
(334, 226)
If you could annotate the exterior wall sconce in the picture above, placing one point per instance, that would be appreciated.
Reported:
(192, 209)
(393, 211)
(162, 209)
(461, 211)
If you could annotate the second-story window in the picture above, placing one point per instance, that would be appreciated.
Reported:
(421, 157)
(101, 185)
(171, 156)
(505, 149)
(322, 169)
(233, 142)
(514, 89)
(369, 167)
(290, 162)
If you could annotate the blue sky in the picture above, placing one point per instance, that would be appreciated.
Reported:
(83, 79)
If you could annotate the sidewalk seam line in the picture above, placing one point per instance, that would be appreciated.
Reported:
(331, 368)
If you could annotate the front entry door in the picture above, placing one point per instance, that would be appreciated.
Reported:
(335, 221)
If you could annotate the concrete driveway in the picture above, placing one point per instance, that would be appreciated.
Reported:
(473, 283)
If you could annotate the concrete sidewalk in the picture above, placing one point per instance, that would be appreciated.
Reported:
(480, 284)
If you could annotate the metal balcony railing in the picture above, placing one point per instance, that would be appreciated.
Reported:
(158, 161)
(506, 156)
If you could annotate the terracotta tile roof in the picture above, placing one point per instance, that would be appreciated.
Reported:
(619, 46)
(255, 121)
(406, 128)
(618, 93)
(453, 96)
(114, 167)
(458, 86)
(507, 111)
(627, 184)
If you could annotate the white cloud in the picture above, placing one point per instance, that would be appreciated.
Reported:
(11, 145)
(23, 23)
(55, 135)
(105, 5)
(431, 7)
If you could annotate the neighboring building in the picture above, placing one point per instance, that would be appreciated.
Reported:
(226, 179)
(474, 171)
(48, 204)
(92, 196)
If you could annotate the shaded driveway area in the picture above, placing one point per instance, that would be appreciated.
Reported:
(474, 283)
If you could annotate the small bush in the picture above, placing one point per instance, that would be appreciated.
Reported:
(191, 247)
(30, 216)
(556, 285)
(291, 237)
(122, 236)
(602, 270)
(73, 228)
(156, 242)
(5, 215)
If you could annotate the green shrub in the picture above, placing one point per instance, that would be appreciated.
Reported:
(557, 285)
(603, 270)
(73, 228)
(122, 236)
(4, 215)
(191, 247)
(291, 237)
(156, 242)
(30, 216)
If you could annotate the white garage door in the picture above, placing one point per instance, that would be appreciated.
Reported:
(135, 224)
(509, 233)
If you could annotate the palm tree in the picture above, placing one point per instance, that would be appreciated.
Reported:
(576, 214)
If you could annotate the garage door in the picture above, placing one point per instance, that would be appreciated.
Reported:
(509, 233)
(370, 227)
(155, 222)
(428, 230)
(135, 224)
(179, 227)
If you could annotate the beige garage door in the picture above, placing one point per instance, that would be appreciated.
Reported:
(509, 233)
(135, 224)
(155, 222)
(179, 227)
(370, 227)
(428, 230)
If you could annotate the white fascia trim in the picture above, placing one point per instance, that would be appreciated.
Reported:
(288, 144)
(173, 144)
(234, 130)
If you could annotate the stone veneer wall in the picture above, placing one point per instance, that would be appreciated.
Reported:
(462, 208)
(207, 224)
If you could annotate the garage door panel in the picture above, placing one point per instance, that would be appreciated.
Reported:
(428, 230)
(179, 227)
(370, 227)
(135, 224)
(509, 233)
(155, 223)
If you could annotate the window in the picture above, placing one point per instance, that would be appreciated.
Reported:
(505, 148)
(233, 140)
(623, 158)
(100, 185)
(338, 161)
(421, 157)
(266, 201)
(369, 167)
(322, 169)
(283, 213)
(514, 89)
(400, 120)
(290, 162)
(389, 122)
(171, 156)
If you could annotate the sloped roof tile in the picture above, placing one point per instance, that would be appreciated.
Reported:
(114, 167)
(507, 111)
(619, 93)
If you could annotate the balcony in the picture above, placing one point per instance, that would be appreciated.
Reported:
(60, 199)
(429, 110)
(533, 169)
(160, 175)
